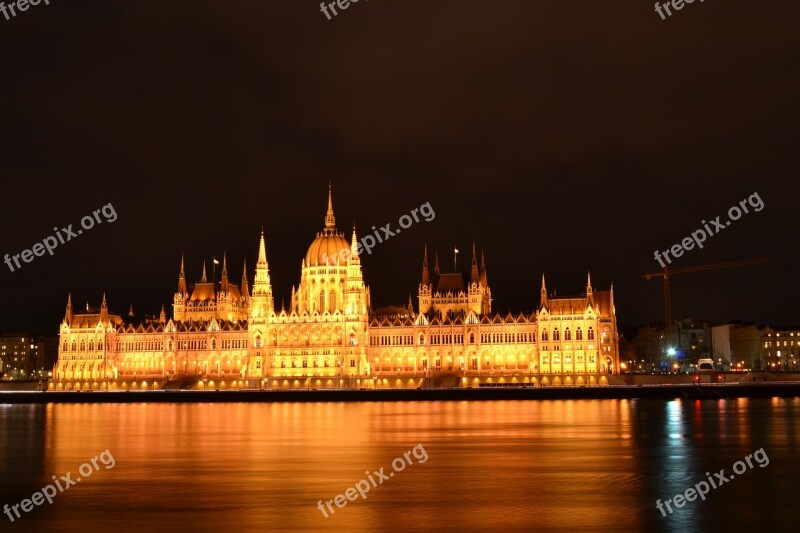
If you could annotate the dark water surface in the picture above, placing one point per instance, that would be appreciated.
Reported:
(582, 465)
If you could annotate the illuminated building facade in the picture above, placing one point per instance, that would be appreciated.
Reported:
(226, 336)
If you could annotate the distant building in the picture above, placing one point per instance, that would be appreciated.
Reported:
(739, 343)
(781, 347)
(26, 356)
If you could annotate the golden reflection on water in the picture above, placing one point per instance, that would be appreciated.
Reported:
(516, 465)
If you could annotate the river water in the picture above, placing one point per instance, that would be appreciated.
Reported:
(581, 465)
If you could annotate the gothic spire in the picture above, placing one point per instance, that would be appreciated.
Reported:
(330, 220)
(426, 275)
(182, 278)
(474, 273)
(224, 282)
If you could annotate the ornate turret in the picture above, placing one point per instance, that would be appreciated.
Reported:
(474, 276)
(245, 287)
(426, 274)
(262, 289)
(224, 283)
(543, 294)
(68, 314)
(182, 279)
(484, 278)
(104, 309)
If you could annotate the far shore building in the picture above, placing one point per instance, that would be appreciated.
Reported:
(222, 335)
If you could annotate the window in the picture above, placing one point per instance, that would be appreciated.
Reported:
(590, 334)
(352, 363)
(544, 335)
(567, 334)
(472, 338)
(556, 335)
(259, 342)
(578, 335)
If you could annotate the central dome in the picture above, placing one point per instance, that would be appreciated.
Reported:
(327, 249)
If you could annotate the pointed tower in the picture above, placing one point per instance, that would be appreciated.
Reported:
(182, 279)
(104, 310)
(474, 276)
(204, 279)
(484, 279)
(330, 220)
(355, 301)
(181, 296)
(425, 286)
(245, 290)
(436, 264)
(130, 313)
(426, 274)
(589, 291)
(68, 314)
(224, 283)
(163, 316)
(543, 294)
(262, 289)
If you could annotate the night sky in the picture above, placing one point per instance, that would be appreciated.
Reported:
(561, 136)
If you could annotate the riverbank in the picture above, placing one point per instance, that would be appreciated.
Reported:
(705, 391)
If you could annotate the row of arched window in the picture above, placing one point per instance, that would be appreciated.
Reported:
(568, 334)
(65, 347)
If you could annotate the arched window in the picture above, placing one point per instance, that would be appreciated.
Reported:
(332, 300)
(321, 301)
(83, 345)
(65, 346)
(472, 338)
(421, 339)
(544, 335)
(567, 334)
(258, 342)
(590, 334)
(578, 335)
(556, 335)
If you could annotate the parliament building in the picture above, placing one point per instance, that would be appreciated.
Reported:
(227, 336)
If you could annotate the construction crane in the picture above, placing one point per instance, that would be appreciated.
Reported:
(667, 272)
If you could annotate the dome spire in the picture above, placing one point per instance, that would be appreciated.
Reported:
(330, 220)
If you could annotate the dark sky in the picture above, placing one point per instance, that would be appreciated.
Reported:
(561, 136)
